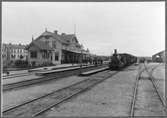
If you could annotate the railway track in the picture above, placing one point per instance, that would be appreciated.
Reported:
(40, 105)
(151, 78)
(17, 75)
(50, 77)
(132, 109)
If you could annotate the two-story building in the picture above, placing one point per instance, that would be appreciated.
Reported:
(51, 47)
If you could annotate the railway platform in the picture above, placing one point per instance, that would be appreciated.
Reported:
(93, 71)
(39, 74)
(40, 69)
(29, 76)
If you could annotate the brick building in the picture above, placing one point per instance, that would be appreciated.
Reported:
(51, 47)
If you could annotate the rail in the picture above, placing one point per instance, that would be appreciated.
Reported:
(132, 108)
(42, 79)
(48, 101)
(156, 88)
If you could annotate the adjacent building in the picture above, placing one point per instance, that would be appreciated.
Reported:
(54, 48)
(13, 52)
(159, 57)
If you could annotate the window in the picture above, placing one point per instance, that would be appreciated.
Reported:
(47, 37)
(13, 56)
(56, 56)
(21, 56)
(33, 54)
(45, 55)
(54, 44)
(3, 56)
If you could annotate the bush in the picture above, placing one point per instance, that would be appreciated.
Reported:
(21, 63)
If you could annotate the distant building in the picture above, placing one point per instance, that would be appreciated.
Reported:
(159, 57)
(4, 54)
(51, 47)
(13, 52)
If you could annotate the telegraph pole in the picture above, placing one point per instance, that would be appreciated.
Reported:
(74, 29)
(81, 62)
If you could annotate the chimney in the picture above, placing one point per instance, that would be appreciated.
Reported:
(32, 38)
(55, 31)
(63, 34)
(115, 51)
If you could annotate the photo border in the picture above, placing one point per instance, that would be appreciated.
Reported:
(83, 1)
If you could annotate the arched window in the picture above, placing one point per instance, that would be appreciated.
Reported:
(56, 56)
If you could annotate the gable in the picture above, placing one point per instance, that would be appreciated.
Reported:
(50, 38)
(33, 47)
(74, 40)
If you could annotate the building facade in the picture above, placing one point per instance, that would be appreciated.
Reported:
(54, 48)
(13, 52)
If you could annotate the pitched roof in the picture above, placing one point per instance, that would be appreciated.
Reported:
(161, 52)
(67, 37)
(15, 46)
(63, 38)
(55, 36)
(41, 45)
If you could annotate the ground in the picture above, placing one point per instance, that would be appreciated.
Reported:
(112, 97)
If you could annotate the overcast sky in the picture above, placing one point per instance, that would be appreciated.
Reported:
(137, 28)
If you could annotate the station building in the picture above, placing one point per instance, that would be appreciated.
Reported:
(54, 48)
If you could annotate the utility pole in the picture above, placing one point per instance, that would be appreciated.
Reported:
(74, 29)
(45, 29)
(81, 61)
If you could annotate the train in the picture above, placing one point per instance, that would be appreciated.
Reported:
(121, 60)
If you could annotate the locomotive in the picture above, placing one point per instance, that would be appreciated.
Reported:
(119, 61)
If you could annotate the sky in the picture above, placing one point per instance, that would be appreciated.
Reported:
(137, 28)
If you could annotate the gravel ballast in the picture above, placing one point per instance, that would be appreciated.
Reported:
(15, 97)
(110, 98)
